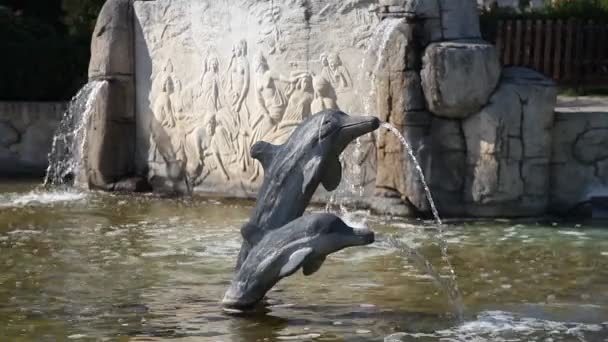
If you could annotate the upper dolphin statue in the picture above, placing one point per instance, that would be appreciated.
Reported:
(294, 170)
(302, 243)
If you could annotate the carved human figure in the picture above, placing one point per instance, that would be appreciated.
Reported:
(227, 127)
(272, 103)
(298, 109)
(238, 88)
(163, 120)
(324, 95)
(270, 98)
(340, 75)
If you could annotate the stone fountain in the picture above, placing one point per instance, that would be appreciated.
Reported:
(193, 85)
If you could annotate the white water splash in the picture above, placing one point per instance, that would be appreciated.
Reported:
(69, 141)
(503, 326)
(39, 198)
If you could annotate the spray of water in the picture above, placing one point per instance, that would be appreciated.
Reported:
(451, 286)
(69, 141)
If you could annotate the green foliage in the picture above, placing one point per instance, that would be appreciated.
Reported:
(80, 15)
(46, 47)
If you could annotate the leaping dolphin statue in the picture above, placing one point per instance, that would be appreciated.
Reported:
(302, 243)
(294, 170)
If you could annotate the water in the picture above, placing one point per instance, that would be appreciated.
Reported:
(141, 268)
(69, 140)
(451, 285)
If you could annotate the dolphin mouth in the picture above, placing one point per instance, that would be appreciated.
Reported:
(356, 126)
(366, 235)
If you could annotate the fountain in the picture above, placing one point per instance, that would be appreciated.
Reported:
(248, 99)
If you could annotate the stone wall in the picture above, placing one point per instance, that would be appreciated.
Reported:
(26, 135)
(214, 77)
(579, 168)
(193, 84)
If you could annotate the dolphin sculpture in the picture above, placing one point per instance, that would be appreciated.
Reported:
(294, 170)
(303, 243)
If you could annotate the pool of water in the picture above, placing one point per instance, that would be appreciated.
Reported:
(97, 266)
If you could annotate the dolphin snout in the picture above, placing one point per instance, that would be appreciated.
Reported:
(365, 235)
(355, 126)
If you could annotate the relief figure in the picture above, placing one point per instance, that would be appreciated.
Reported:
(340, 75)
(163, 121)
(324, 95)
(298, 109)
(238, 88)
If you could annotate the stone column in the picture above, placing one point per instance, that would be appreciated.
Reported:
(400, 102)
(110, 139)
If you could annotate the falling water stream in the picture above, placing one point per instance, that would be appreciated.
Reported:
(451, 285)
(69, 141)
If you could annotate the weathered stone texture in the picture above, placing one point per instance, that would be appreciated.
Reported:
(112, 44)
(443, 20)
(509, 147)
(579, 166)
(26, 135)
(458, 78)
(110, 139)
(447, 165)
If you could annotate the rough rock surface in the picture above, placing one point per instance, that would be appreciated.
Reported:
(447, 165)
(110, 137)
(579, 167)
(459, 77)
(112, 44)
(8, 134)
(509, 147)
(446, 19)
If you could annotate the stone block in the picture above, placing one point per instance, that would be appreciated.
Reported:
(110, 140)
(459, 77)
(36, 143)
(509, 147)
(112, 43)
(446, 19)
(591, 146)
(8, 134)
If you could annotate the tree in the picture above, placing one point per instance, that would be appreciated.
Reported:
(80, 16)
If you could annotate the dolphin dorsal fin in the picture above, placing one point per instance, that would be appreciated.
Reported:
(264, 152)
(295, 261)
(312, 265)
(332, 174)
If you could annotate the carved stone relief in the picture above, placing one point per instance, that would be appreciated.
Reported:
(237, 72)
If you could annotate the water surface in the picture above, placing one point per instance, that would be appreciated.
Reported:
(97, 266)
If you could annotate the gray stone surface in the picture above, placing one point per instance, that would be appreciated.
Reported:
(111, 130)
(112, 44)
(447, 165)
(213, 78)
(443, 20)
(579, 168)
(509, 147)
(459, 77)
(26, 131)
(304, 243)
(110, 138)
(8, 134)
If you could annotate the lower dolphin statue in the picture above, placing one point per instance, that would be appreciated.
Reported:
(302, 243)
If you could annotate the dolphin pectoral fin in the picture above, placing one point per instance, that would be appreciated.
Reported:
(264, 152)
(295, 261)
(312, 265)
(332, 174)
(310, 170)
